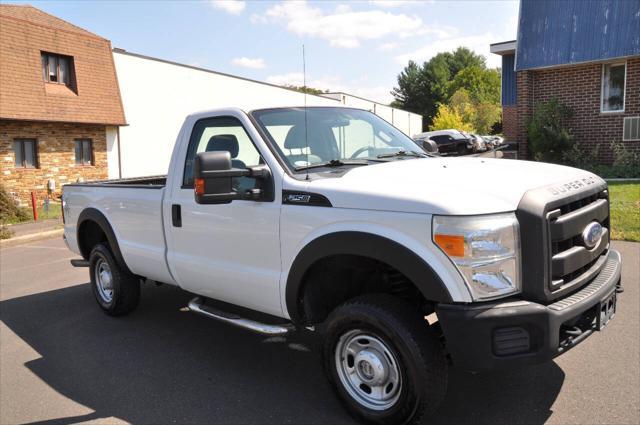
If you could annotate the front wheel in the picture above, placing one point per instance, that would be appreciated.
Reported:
(383, 360)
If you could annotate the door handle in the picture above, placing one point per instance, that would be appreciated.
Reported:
(176, 215)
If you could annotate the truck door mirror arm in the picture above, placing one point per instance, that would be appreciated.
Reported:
(213, 179)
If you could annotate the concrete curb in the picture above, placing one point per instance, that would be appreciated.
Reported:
(19, 240)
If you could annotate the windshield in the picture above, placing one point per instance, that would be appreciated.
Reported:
(333, 137)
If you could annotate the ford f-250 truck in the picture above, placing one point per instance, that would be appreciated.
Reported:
(331, 219)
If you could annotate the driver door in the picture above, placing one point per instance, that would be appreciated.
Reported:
(229, 252)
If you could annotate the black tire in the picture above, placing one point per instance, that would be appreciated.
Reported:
(402, 328)
(125, 288)
(462, 150)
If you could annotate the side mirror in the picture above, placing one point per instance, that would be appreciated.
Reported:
(213, 178)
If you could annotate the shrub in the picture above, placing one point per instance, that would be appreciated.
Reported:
(547, 131)
(9, 209)
(5, 232)
(625, 165)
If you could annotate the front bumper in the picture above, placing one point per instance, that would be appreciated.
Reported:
(513, 333)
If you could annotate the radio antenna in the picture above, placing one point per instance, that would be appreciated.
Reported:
(304, 90)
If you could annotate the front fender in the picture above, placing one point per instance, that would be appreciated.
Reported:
(378, 247)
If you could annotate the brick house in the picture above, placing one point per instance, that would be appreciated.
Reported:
(585, 54)
(60, 104)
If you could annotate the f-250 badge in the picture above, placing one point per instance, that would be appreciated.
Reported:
(298, 198)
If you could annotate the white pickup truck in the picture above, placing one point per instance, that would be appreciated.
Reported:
(331, 219)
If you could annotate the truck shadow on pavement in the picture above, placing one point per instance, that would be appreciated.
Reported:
(161, 365)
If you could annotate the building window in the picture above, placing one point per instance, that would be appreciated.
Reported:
(613, 82)
(84, 152)
(57, 68)
(26, 153)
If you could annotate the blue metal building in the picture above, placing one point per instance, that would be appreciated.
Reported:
(586, 53)
(552, 33)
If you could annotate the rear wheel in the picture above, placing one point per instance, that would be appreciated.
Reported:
(116, 291)
(383, 360)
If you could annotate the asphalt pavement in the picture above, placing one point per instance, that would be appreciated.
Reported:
(63, 361)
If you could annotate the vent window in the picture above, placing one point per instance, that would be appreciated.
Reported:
(631, 129)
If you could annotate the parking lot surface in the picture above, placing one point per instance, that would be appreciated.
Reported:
(63, 361)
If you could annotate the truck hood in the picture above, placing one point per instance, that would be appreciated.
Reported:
(455, 186)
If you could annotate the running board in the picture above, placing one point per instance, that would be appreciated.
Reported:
(197, 306)
(79, 262)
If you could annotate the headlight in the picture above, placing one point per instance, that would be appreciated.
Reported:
(485, 249)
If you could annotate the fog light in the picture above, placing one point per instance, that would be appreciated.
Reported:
(510, 341)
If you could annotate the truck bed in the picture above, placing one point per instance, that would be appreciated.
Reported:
(135, 216)
(147, 182)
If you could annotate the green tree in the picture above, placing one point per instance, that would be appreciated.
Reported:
(305, 89)
(410, 84)
(463, 58)
(449, 117)
(486, 116)
(462, 103)
(482, 84)
(421, 89)
(480, 116)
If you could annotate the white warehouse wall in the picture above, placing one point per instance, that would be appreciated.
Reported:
(415, 124)
(158, 95)
(408, 122)
(112, 152)
(385, 112)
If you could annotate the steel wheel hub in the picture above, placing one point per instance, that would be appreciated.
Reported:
(104, 280)
(368, 370)
(371, 368)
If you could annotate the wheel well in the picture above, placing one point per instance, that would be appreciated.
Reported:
(89, 234)
(335, 279)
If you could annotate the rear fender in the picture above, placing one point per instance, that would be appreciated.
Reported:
(92, 214)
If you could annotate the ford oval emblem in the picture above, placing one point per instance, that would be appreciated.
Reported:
(592, 234)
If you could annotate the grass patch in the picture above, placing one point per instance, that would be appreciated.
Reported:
(54, 212)
(625, 210)
(25, 215)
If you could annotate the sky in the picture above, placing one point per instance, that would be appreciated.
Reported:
(358, 47)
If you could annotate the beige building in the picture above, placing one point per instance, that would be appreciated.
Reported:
(59, 103)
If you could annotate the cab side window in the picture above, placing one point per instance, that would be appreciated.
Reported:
(222, 134)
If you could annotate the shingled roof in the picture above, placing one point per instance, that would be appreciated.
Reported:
(94, 97)
(30, 14)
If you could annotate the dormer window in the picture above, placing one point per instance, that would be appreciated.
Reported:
(57, 69)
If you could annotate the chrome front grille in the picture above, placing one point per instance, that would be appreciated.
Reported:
(571, 262)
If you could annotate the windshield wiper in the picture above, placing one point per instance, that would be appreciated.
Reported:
(331, 163)
(403, 154)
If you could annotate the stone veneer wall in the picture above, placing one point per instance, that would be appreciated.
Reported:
(56, 156)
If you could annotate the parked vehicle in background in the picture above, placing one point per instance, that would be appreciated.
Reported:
(493, 142)
(289, 219)
(449, 142)
(479, 144)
